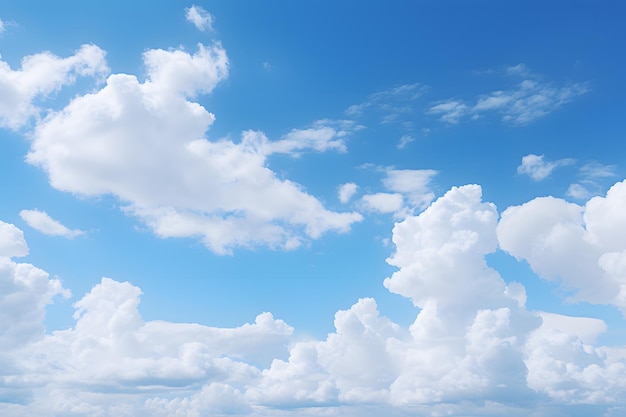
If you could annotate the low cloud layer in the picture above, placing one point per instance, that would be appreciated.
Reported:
(473, 345)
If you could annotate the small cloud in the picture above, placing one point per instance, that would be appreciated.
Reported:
(2, 27)
(536, 168)
(383, 202)
(405, 140)
(578, 192)
(413, 183)
(520, 70)
(39, 220)
(451, 111)
(346, 191)
(267, 66)
(391, 105)
(406, 191)
(201, 19)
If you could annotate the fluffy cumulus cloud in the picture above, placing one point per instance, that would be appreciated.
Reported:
(536, 168)
(12, 243)
(473, 349)
(41, 75)
(41, 221)
(584, 247)
(528, 100)
(25, 292)
(146, 145)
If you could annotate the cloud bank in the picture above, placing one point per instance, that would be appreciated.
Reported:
(473, 349)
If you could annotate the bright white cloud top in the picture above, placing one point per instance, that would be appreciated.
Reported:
(349, 234)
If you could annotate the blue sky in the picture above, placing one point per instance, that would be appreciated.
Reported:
(280, 208)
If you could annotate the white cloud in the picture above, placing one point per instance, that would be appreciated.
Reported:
(466, 343)
(578, 191)
(409, 192)
(594, 171)
(413, 183)
(592, 175)
(41, 221)
(201, 19)
(12, 243)
(529, 100)
(404, 141)
(322, 136)
(2, 28)
(26, 290)
(383, 202)
(569, 369)
(536, 168)
(584, 328)
(346, 191)
(571, 243)
(451, 111)
(40, 75)
(146, 146)
(394, 106)
(473, 347)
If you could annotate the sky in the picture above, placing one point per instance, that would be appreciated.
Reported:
(282, 208)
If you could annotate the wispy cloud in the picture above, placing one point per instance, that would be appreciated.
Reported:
(322, 135)
(406, 192)
(538, 169)
(525, 102)
(201, 19)
(390, 105)
(41, 221)
(405, 140)
(450, 111)
(591, 176)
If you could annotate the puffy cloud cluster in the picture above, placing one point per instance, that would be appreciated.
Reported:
(144, 143)
(473, 349)
(584, 247)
